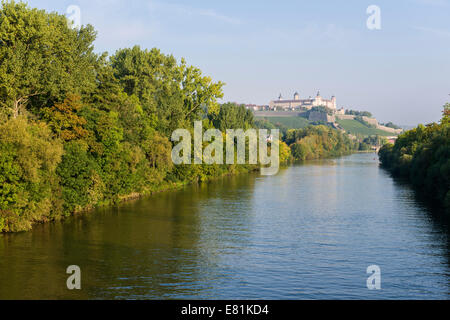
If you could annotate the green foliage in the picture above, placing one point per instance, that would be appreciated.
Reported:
(42, 59)
(372, 141)
(321, 109)
(392, 125)
(446, 114)
(263, 123)
(78, 130)
(285, 152)
(76, 171)
(64, 120)
(288, 122)
(28, 159)
(357, 128)
(101, 126)
(232, 116)
(174, 93)
(359, 113)
(10, 176)
(316, 142)
(423, 156)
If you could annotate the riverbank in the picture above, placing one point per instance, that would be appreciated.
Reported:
(309, 232)
(100, 132)
(166, 187)
(422, 156)
(120, 199)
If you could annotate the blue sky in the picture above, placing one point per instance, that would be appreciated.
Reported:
(400, 73)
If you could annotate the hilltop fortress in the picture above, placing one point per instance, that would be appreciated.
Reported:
(313, 110)
(297, 103)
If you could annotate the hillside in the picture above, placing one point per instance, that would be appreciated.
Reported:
(288, 122)
(350, 126)
(357, 128)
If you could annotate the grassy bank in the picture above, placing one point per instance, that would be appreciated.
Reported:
(357, 128)
(288, 122)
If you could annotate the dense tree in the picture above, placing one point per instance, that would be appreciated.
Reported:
(359, 113)
(423, 156)
(232, 116)
(111, 117)
(42, 59)
(392, 125)
(29, 190)
(64, 120)
(174, 93)
(285, 152)
(446, 114)
(318, 142)
(79, 130)
(77, 171)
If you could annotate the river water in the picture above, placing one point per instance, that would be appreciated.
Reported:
(309, 232)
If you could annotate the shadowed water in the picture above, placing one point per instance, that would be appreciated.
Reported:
(309, 232)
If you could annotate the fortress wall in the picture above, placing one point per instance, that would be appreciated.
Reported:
(320, 116)
(278, 113)
(371, 121)
(345, 116)
(392, 130)
(331, 118)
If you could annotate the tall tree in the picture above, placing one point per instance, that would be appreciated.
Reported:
(42, 59)
(64, 120)
(175, 93)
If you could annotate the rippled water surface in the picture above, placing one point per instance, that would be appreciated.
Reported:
(309, 232)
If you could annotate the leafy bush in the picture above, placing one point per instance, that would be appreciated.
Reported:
(30, 190)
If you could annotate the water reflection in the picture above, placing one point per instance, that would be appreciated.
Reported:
(436, 216)
(308, 232)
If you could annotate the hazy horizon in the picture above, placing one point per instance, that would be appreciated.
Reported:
(262, 49)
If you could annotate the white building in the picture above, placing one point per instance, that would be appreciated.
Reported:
(297, 103)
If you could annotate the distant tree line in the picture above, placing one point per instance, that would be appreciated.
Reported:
(321, 109)
(392, 125)
(371, 141)
(319, 141)
(358, 113)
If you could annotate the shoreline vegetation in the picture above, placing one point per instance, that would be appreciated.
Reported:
(422, 156)
(79, 130)
(316, 142)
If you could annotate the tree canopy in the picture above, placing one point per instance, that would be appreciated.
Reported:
(422, 155)
(42, 59)
(80, 129)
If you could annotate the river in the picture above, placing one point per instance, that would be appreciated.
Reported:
(309, 232)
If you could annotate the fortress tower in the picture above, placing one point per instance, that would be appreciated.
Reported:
(318, 100)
